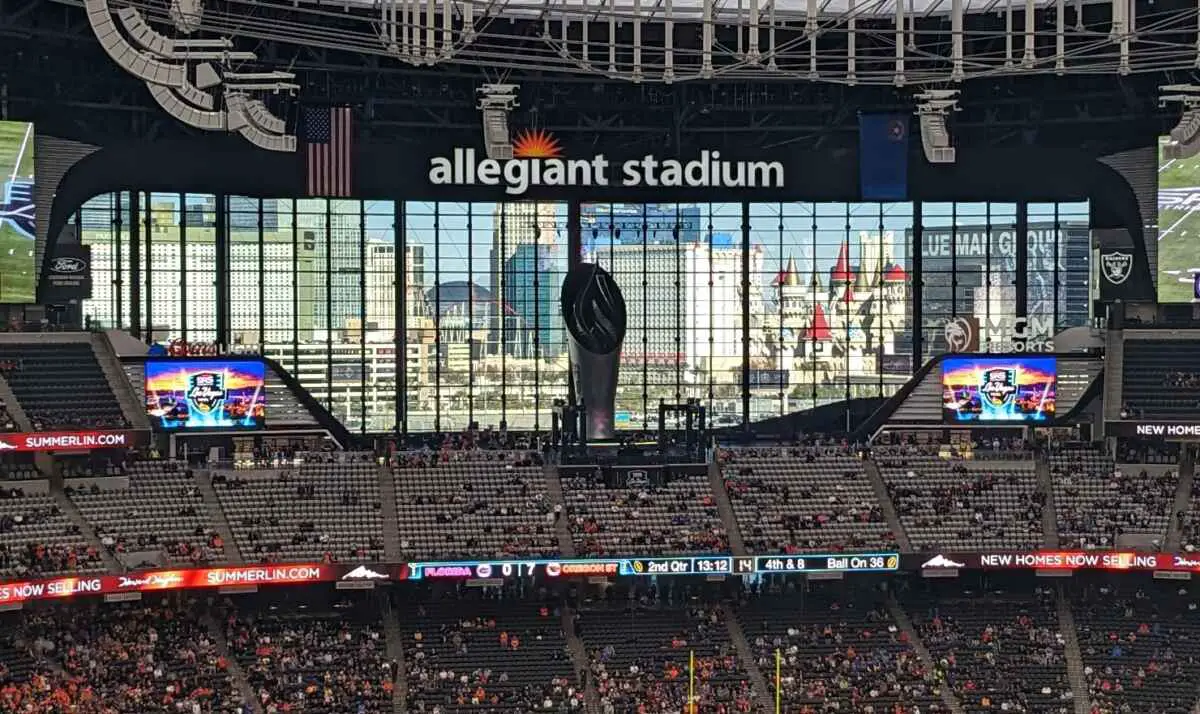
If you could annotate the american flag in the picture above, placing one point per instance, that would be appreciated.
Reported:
(327, 138)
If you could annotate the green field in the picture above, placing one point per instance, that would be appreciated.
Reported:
(12, 137)
(17, 269)
(16, 266)
(1178, 231)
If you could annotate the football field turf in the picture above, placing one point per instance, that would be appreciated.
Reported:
(12, 138)
(16, 266)
(1178, 232)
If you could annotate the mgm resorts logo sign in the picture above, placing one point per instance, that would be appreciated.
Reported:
(538, 161)
(999, 333)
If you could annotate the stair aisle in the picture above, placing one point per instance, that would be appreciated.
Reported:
(1045, 485)
(746, 655)
(885, 503)
(579, 658)
(901, 618)
(395, 651)
(387, 510)
(554, 493)
(71, 511)
(716, 482)
(233, 552)
(1183, 499)
(235, 667)
(1066, 625)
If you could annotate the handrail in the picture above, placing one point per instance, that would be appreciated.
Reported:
(889, 407)
(324, 417)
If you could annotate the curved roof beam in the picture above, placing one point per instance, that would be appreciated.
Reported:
(241, 116)
(179, 107)
(138, 63)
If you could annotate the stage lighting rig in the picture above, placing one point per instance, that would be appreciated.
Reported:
(933, 106)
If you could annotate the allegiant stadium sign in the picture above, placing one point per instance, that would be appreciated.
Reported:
(464, 167)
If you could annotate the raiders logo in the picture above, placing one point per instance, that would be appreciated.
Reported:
(206, 391)
(1116, 266)
(999, 386)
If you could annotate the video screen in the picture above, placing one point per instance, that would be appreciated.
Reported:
(206, 393)
(17, 213)
(998, 389)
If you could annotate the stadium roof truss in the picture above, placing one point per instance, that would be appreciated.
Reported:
(883, 42)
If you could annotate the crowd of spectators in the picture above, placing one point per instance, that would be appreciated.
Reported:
(946, 501)
(332, 662)
(328, 508)
(148, 657)
(677, 516)
(643, 655)
(1097, 502)
(480, 503)
(37, 539)
(997, 651)
(837, 652)
(803, 498)
(1140, 646)
(156, 506)
(482, 651)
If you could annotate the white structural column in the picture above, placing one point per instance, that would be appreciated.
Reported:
(851, 48)
(1060, 35)
(1030, 29)
(956, 40)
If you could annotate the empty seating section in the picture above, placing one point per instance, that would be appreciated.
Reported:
(1140, 646)
(803, 500)
(146, 657)
(36, 538)
(162, 509)
(1096, 502)
(321, 510)
(476, 654)
(1000, 652)
(322, 663)
(1160, 378)
(843, 654)
(640, 655)
(486, 504)
(675, 518)
(61, 385)
(18, 467)
(7, 422)
(962, 503)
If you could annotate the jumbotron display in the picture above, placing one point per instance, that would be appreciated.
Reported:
(17, 212)
(206, 393)
(998, 389)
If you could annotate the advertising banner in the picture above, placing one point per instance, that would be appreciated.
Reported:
(68, 271)
(366, 575)
(1066, 560)
(191, 393)
(1183, 430)
(163, 580)
(72, 440)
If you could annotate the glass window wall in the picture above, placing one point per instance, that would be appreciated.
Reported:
(426, 315)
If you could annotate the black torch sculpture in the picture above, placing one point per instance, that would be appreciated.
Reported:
(594, 311)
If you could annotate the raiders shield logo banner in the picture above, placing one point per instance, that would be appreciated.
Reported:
(1116, 266)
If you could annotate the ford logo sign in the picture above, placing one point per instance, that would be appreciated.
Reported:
(68, 265)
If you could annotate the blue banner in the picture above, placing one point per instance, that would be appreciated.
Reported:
(883, 156)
